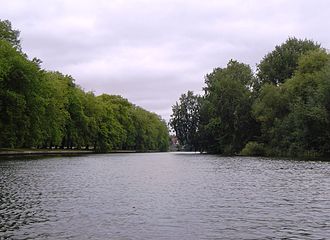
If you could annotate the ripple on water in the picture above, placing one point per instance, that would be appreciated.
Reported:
(164, 196)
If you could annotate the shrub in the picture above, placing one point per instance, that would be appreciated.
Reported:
(253, 149)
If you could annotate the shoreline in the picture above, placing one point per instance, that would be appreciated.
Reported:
(28, 152)
(43, 152)
(9, 153)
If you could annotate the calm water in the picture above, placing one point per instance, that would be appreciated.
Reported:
(164, 196)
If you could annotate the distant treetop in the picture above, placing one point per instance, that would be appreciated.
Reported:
(9, 34)
(280, 64)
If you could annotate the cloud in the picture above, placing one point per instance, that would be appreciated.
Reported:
(152, 51)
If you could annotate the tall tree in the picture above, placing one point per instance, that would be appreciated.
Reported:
(226, 123)
(20, 98)
(295, 116)
(10, 35)
(47, 109)
(280, 64)
(54, 114)
(185, 120)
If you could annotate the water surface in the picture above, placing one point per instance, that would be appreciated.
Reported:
(164, 196)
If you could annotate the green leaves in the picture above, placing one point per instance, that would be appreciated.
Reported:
(280, 64)
(185, 120)
(8, 34)
(47, 109)
(18, 102)
(283, 110)
(226, 119)
(151, 131)
(295, 115)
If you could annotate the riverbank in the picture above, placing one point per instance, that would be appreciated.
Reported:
(41, 152)
(8, 152)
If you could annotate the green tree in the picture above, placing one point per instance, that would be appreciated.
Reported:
(20, 99)
(226, 123)
(151, 131)
(280, 64)
(54, 114)
(47, 109)
(115, 113)
(185, 120)
(91, 110)
(295, 116)
(10, 35)
(77, 123)
(269, 109)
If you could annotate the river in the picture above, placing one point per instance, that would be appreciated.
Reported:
(164, 196)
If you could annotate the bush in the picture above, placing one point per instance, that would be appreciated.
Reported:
(253, 149)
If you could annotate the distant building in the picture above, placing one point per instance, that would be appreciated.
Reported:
(174, 144)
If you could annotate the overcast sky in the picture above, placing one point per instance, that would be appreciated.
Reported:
(151, 52)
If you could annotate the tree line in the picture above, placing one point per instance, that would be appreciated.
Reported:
(283, 109)
(47, 109)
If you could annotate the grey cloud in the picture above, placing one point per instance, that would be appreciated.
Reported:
(152, 51)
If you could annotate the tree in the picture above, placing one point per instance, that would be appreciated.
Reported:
(295, 116)
(185, 120)
(19, 98)
(123, 109)
(150, 130)
(54, 114)
(10, 35)
(226, 123)
(269, 109)
(280, 64)
(47, 109)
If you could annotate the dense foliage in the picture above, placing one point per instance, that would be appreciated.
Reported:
(283, 109)
(45, 109)
(185, 120)
(280, 64)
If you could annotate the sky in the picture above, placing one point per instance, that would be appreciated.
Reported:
(152, 51)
